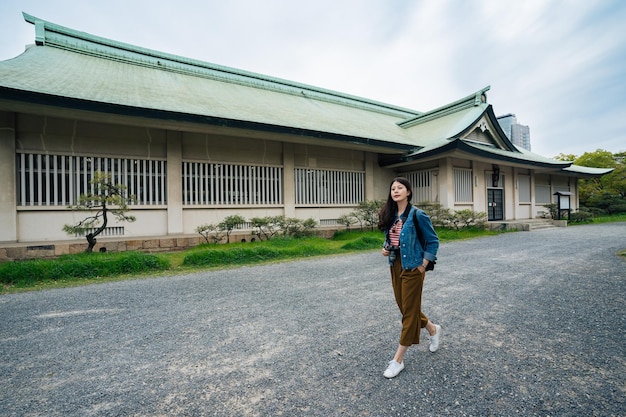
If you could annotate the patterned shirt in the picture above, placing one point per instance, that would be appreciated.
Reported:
(394, 233)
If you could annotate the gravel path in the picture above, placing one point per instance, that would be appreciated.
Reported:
(534, 325)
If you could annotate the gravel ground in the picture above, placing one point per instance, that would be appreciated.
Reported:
(533, 322)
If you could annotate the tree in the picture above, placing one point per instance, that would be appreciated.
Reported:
(104, 198)
(598, 159)
(367, 213)
(266, 228)
(607, 192)
(347, 220)
(295, 227)
(210, 232)
(565, 157)
(229, 223)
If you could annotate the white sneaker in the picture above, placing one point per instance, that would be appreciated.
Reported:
(436, 339)
(393, 369)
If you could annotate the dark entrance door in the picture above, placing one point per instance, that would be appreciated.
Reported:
(495, 205)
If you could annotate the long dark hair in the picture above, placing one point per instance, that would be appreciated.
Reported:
(387, 214)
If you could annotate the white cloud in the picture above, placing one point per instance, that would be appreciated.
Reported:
(558, 65)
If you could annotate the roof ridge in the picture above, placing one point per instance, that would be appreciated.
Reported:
(473, 100)
(54, 35)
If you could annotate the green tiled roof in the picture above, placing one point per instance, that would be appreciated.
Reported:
(465, 103)
(80, 69)
(582, 171)
(72, 64)
(61, 37)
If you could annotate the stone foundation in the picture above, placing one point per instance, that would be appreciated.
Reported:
(48, 250)
(16, 251)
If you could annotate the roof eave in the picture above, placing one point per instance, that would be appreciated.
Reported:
(458, 145)
(47, 100)
(470, 101)
(574, 171)
(57, 36)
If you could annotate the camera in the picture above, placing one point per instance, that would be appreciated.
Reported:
(388, 247)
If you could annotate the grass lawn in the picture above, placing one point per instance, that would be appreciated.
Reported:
(84, 269)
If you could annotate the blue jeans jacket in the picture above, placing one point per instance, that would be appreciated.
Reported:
(412, 251)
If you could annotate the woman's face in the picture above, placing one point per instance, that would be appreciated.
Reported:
(399, 192)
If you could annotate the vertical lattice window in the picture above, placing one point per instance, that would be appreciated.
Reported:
(523, 182)
(463, 185)
(58, 180)
(217, 184)
(321, 186)
(422, 185)
(543, 194)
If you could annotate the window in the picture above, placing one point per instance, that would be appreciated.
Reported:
(542, 194)
(463, 185)
(219, 184)
(523, 182)
(58, 180)
(319, 186)
(421, 182)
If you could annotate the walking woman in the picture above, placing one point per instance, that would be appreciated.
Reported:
(411, 244)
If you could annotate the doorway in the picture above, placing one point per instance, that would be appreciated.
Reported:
(495, 204)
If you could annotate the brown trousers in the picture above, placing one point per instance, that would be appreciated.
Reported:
(407, 288)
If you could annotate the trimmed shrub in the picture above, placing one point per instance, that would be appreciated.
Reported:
(266, 228)
(616, 208)
(366, 213)
(238, 254)
(463, 219)
(87, 265)
(347, 220)
(364, 243)
(581, 216)
(439, 216)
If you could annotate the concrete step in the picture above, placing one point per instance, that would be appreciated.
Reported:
(527, 225)
(538, 226)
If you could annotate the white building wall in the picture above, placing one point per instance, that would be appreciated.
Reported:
(175, 220)
(47, 225)
(25, 133)
(8, 216)
(57, 136)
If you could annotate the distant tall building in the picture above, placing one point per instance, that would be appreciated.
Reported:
(517, 133)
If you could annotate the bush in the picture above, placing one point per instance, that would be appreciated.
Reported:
(341, 235)
(211, 233)
(347, 220)
(266, 228)
(364, 243)
(616, 208)
(87, 265)
(229, 223)
(553, 209)
(439, 216)
(594, 211)
(460, 219)
(294, 227)
(238, 255)
(463, 219)
(367, 213)
(606, 201)
(244, 253)
(581, 216)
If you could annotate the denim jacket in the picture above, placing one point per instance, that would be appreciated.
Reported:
(412, 251)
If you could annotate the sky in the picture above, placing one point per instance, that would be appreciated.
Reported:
(558, 65)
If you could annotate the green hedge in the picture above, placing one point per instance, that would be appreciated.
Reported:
(245, 253)
(364, 243)
(82, 265)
